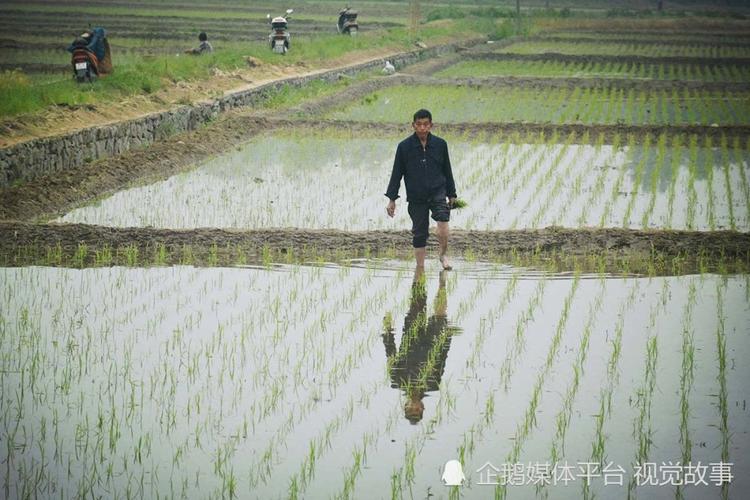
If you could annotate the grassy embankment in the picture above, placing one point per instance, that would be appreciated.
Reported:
(133, 75)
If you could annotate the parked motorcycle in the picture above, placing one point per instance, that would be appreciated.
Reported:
(279, 37)
(91, 56)
(347, 24)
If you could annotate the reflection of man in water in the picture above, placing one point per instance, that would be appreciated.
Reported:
(418, 364)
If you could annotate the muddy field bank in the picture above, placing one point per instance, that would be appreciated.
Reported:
(616, 250)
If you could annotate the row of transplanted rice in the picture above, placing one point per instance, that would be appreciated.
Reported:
(598, 105)
(740, 38)
(337, 180)
(698, 49)
(317, 382)
(598, 69)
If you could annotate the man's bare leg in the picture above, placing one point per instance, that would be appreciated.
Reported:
(419, 254)
(442, 234)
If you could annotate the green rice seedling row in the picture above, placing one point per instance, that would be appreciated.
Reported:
(666, 38)
(596, 69)
(524, 105)
(633, 49)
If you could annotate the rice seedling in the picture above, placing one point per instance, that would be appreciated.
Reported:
(654, 179)
(674, 164)
(636, 49)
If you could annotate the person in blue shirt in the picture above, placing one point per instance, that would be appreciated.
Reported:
(423, 162)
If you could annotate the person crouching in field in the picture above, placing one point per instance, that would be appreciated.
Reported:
(423, 162)
(204, 47)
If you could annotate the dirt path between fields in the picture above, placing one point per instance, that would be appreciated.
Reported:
(618, 250)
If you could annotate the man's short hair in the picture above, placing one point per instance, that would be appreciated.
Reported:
(422, 113)
(203, 37)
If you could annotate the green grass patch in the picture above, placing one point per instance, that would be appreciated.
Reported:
(135, 74)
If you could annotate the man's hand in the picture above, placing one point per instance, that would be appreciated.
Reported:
(451, 201)
(391, 208)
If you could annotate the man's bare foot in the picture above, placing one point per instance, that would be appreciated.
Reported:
(444, 262)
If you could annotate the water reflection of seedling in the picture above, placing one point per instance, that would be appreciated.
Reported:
(727, 180)
(692, 203)
(710, 183)
(742, 166)
(639, 168)
(615, 193)
(656, 171)
(721, 349)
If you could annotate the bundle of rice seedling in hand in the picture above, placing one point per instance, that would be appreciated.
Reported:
(458, 203)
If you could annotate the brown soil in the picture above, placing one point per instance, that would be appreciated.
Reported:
(618, 249)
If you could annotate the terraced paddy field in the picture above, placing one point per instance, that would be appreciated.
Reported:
(598, 69)
(249, 323)
(634, 48)
(555, 105)
(530, 181)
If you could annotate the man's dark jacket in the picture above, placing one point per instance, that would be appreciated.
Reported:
(426, 171)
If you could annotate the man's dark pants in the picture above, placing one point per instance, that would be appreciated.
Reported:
(420, 212)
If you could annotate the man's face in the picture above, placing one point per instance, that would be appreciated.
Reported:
(422, 127)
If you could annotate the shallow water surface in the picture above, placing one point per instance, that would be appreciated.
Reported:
(328, 380)
(318, 182)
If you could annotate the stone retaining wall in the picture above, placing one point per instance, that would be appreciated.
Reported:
(47, 155)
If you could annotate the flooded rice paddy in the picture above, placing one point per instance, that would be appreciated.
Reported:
(560, 105)
(322, 381)
(362, 379)
(314, 181)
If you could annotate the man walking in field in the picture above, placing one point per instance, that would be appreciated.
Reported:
(423, 162)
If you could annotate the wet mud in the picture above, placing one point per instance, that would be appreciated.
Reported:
(558, 249)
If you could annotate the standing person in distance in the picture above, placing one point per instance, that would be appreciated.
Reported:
(423, 162)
